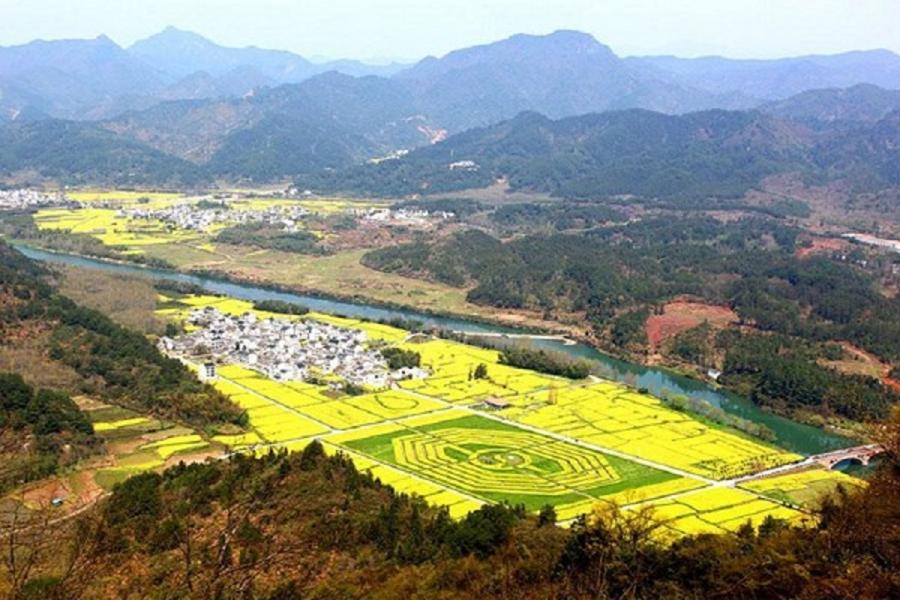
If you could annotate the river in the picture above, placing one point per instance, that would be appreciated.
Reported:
(791, 435)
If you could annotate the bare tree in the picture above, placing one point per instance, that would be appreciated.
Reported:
(26, 536)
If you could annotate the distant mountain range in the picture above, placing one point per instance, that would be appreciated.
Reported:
(713, 153)
(561, 74)
(96, 79)
(863, 102)
(780, 78)
(271, 115)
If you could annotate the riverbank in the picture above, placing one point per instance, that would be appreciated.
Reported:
(788, 434)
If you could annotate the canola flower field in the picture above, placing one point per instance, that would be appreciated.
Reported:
(571, 444)
(100, 218)
(719, 509)
(804, 488)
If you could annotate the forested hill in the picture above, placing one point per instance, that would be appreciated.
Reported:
(306, 525)
(617, 276)
(75, 152)
(710, 153)
(115, 364)
(863, 102)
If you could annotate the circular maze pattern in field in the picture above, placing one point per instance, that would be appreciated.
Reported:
(503, 462)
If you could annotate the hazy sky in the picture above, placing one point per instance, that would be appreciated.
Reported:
(415, 28)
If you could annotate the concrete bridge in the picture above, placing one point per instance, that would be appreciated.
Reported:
(861, 454)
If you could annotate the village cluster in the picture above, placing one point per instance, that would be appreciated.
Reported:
(197, 218)
(402, 216)
(285, 349)
(29, 199)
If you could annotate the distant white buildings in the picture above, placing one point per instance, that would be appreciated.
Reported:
(190, 216)
(402, 216)
(464, 165)
(396, 155)
(284, 349)
(30, 199)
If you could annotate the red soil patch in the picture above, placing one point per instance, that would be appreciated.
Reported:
(822, 245)
(76, 491)
(861, 362)
(195, 457)
(682, 315)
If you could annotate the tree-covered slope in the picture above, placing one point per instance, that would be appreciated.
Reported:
(626, 152)
(116, 364)
(284, 527)
(710, 153)
(75, 152)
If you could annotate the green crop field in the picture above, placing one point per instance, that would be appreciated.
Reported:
(500, 462)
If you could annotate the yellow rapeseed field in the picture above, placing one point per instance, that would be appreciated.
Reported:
(613, 416)
(430, 436)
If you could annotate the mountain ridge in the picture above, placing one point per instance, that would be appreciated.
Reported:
(712, 153)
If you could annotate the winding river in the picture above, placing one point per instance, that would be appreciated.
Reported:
(791, 435)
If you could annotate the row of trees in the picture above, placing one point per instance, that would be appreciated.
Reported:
(272, 238)
(544, 362)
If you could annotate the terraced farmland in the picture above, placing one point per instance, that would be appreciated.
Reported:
(804, 488)
(572, 444)
(133, 444)
(719, 509)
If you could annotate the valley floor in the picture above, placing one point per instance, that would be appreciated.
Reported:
(517, 436)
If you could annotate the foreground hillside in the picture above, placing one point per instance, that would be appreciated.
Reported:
(311, 526)
(54, 354)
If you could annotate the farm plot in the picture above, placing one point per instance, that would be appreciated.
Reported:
(262, 398)
(153, 199)
(805, 488)
(613, 416)
(109, 227)
(137, 444)
(457, 504)
(499, 462)
(394, 404)
(718, 509)
(271, 407)
(453, 364)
